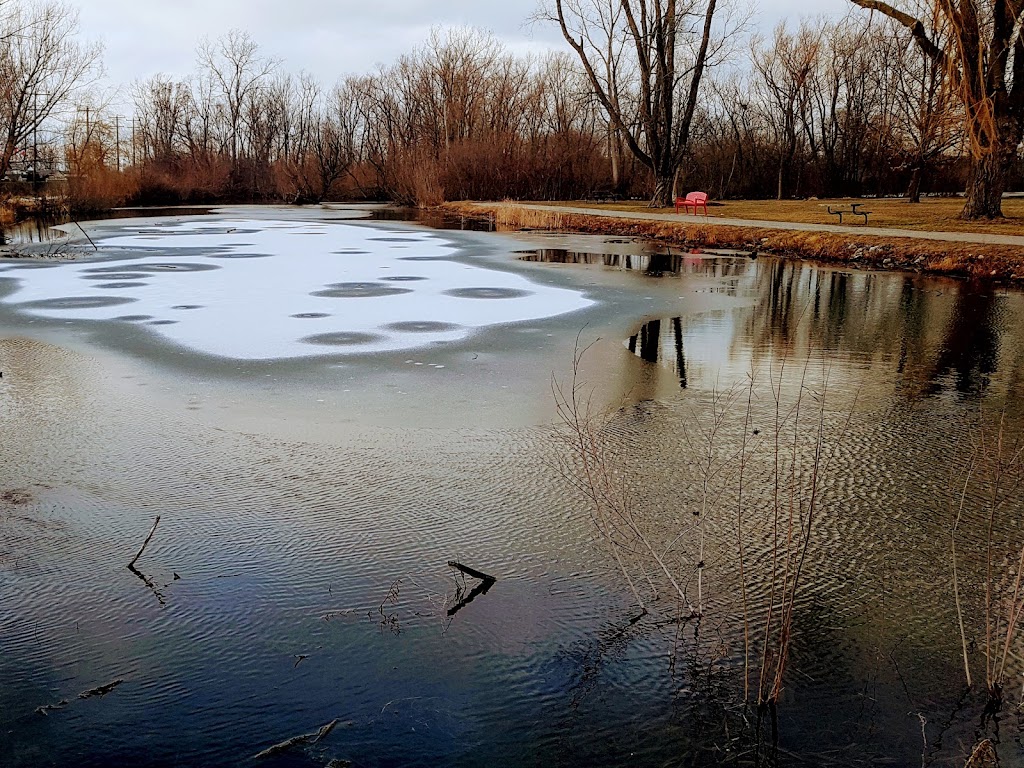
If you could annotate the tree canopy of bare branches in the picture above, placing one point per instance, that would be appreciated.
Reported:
(645, 60)
(829, 107)
(981, 48)
(42, 67)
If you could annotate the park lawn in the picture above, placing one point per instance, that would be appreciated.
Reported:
(939, 214)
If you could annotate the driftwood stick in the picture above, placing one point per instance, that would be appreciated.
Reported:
(94, 246)
(486, 582)
(479, 589)
(470, 571)
(156, 522)
(46, 709)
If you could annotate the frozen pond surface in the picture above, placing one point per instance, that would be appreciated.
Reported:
(256, 288)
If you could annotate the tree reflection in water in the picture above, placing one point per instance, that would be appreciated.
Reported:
(929, 336)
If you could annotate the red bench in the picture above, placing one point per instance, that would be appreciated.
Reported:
(693, 200)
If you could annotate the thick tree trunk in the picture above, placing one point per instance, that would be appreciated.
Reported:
(986, 186)
(989, 173)
(614, 151)
(663, 191)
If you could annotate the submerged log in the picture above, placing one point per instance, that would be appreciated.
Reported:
(294, 741)
(102, 690)
(46, 709)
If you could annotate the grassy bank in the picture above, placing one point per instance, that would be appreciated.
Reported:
(1004, 263)
(932, 214)
(15, 209)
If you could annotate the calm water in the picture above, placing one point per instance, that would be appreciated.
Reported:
(310, 499)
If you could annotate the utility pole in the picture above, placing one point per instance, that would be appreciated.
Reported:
(117, 140)
(85, 109)
(35, 144)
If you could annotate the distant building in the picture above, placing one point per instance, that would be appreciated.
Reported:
(30, 165)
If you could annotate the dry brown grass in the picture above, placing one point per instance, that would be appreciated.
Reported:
(7, 214)
(996, 262)
(940, 214)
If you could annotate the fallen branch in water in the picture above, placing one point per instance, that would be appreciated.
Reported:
(87, 236)
(470, 571)
(486, 582)
(102, 690)
(48, 708)
(294, 741)
(335, 614)
(131, 565)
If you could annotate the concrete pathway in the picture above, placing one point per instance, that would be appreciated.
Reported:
(952, 237)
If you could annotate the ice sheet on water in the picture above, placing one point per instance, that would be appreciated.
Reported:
(351, 290)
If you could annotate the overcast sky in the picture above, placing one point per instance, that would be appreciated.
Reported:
(328, 38)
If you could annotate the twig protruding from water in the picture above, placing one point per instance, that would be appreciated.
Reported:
(94, 246)
(470, 571)
(131, 565)
(486, 582)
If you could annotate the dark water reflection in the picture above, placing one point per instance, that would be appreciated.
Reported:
(40, 229)
(648, 262)
(934, 336)
(278, 556)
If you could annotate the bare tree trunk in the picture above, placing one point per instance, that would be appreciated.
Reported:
(613, 152)
(663, 184)
(914, 187)
(989, 83)
(989, 178)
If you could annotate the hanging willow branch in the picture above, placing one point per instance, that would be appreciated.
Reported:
(966, 63)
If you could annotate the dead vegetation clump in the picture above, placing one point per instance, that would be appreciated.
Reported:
(16, 497)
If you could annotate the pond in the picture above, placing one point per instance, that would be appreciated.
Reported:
(324, 410)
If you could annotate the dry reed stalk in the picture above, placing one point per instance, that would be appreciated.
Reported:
(590, 471)
(956, 576)
(799, 459)
(795, 507)
(995, 474)
(740, 549)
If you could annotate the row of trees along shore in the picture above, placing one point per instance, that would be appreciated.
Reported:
(649, 97)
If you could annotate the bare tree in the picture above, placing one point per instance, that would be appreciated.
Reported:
(669, 44)
(237, 71)
(42, 67)
(785, 68)
(984, 59)
(925, 117)
(162, 107)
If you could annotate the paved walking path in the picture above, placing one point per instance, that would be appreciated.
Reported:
(953, 237)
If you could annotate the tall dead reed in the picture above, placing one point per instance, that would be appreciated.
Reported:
(984, 516)
(756, 460)
(591, 467)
